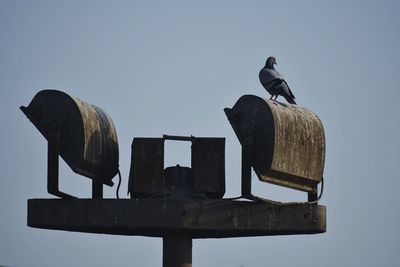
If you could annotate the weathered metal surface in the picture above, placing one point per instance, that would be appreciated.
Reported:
(300, 141)
(146, 176)
(286, 142)
(88, 141)
(159, 217)
(208, 164)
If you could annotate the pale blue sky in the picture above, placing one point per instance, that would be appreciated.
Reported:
(171, 67)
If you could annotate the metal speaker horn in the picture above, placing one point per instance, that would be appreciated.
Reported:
(82, 134)
(284, 144)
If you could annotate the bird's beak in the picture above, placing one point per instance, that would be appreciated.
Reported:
(275, 63)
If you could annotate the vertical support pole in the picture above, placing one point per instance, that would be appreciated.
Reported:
(246, 172)
(313, 196)
(97, 189)
(177, 250)
(53, 167)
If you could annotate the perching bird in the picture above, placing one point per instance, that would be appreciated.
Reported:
(274, 83)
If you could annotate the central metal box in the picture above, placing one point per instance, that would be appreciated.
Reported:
(147, 174)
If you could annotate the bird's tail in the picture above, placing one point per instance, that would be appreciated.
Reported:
(291, 100)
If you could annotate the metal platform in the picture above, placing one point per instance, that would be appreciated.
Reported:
(158, 217)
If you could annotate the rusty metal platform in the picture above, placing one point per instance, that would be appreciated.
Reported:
(158, 217)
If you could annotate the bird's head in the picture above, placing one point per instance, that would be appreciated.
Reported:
(271, 61)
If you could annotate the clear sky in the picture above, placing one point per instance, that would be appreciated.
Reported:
(170, 67)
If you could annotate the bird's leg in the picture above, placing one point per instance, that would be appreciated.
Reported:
(276, 96)
(271, 97)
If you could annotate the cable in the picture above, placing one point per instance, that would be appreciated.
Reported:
(119, 183)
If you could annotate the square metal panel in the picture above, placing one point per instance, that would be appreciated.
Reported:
(208, 164)
(147, 167)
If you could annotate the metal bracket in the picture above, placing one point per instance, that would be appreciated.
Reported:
(246, 173)
(313, 196)
(178, 138)
(53, 170)
(246, 179)
(97, 189)
(53, 165)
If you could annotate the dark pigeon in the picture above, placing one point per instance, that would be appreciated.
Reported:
(274, 83)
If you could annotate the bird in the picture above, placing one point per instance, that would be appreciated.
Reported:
(274, 82)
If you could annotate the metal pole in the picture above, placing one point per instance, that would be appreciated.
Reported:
(53, 166)
(313, 196)
(177, 250)
(246, 172)
(97, 189)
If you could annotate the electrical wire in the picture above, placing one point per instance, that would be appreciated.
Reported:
(119, 183)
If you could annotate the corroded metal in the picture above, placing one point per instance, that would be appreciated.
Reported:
(180, 203)
(87, 137)
(208, 164)
(159, 217)
(286, 143)
(147, 176)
